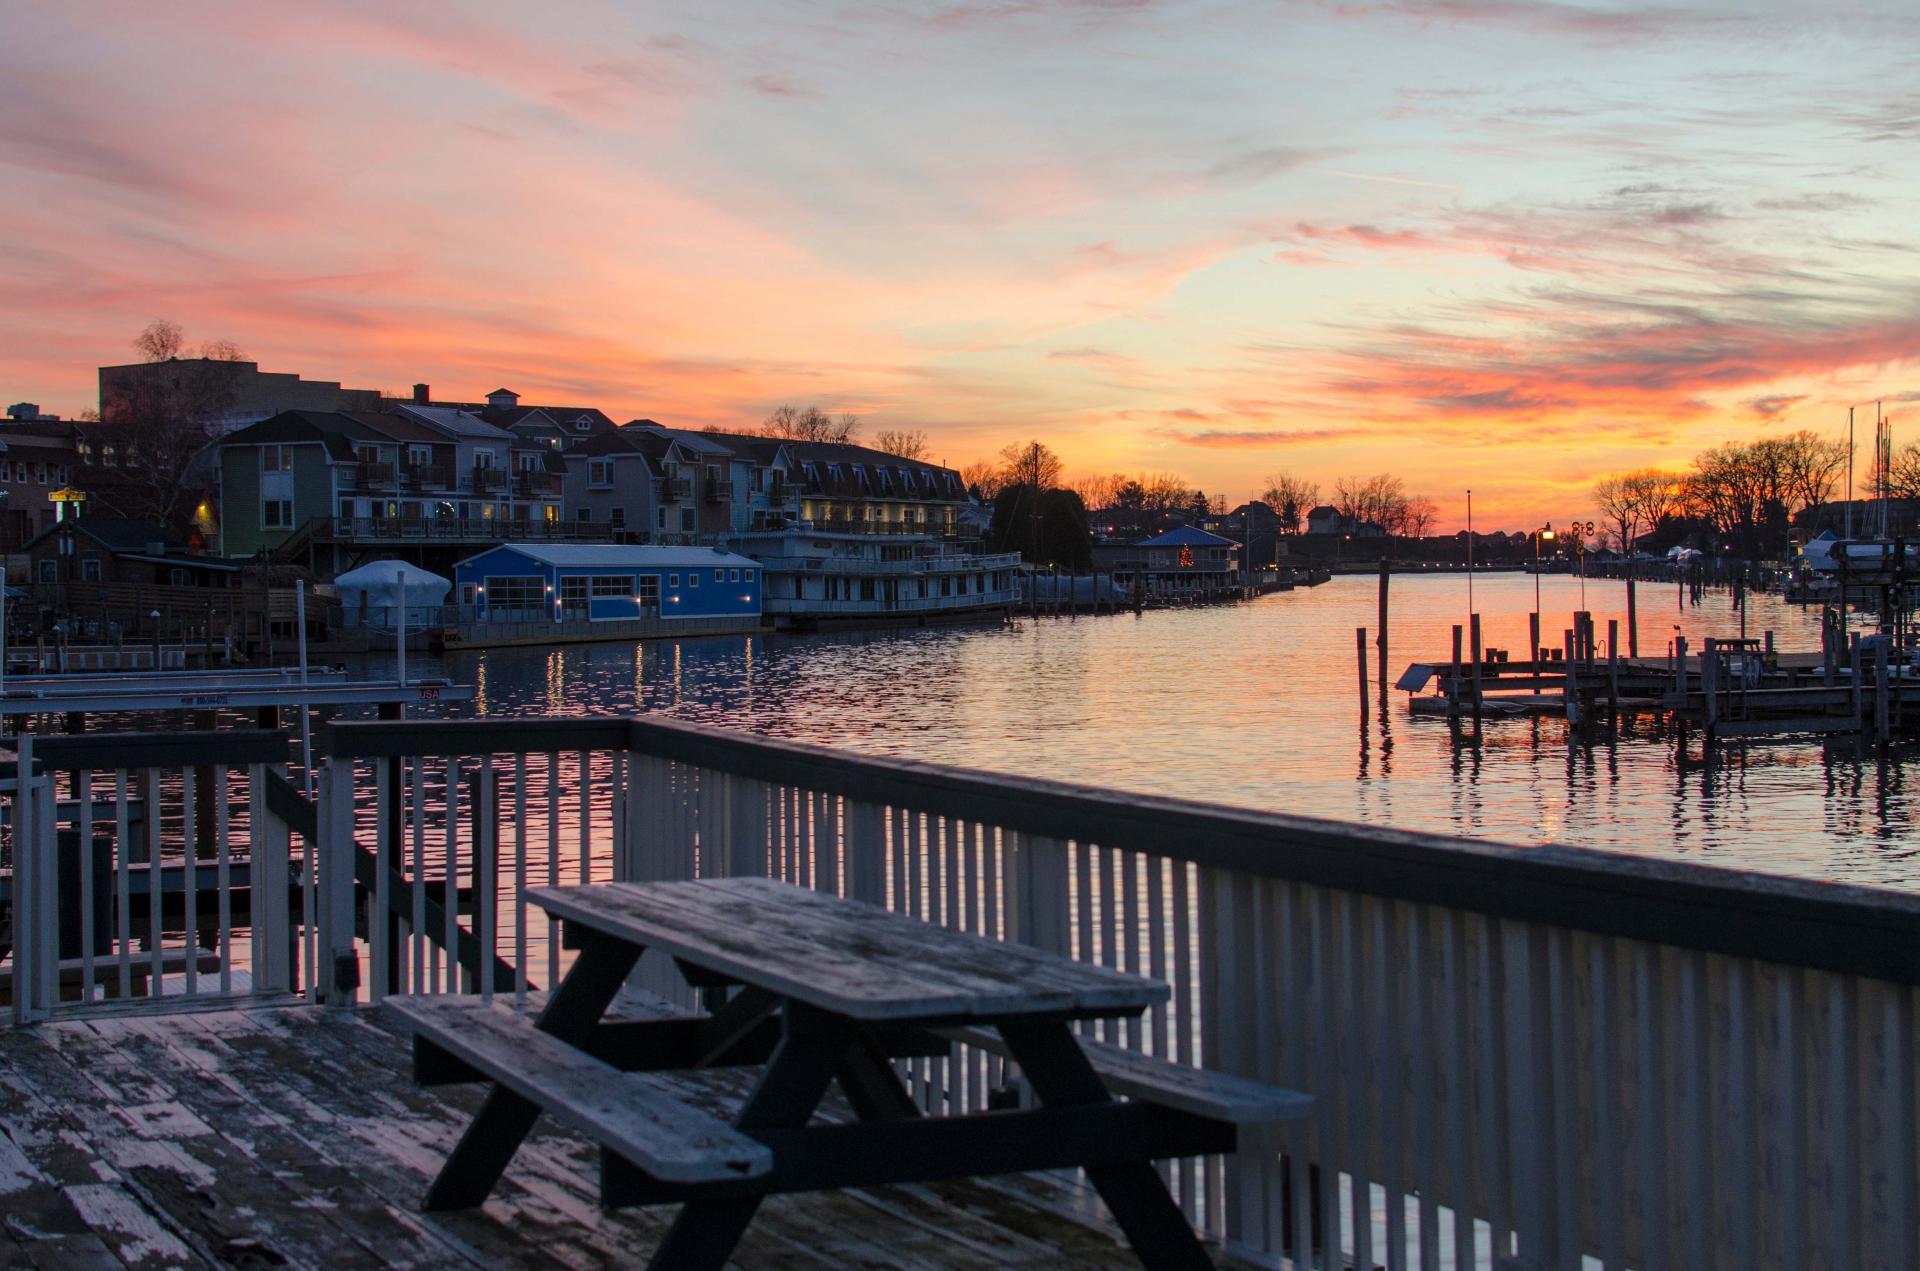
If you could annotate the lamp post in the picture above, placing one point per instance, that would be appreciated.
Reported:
(1545, 533)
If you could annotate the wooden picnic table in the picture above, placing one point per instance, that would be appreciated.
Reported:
(822, 990)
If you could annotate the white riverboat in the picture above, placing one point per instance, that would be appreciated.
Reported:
(859, 576)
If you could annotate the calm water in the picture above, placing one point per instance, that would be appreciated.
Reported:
(1257, 705)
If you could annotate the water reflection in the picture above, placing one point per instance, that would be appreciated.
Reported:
(1251, 705)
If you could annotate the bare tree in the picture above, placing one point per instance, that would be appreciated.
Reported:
(161, 340)
(1615, 497)
(221, 351)
(1097, 490)
(1033, 464)
(984, 476)
(811, 424)
(1417, 516)
(907, 444)
(1291, 498)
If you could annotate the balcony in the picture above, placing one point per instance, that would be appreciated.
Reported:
(675, 488)
(536, 485)
(373, 476)
(453, 529)
(719, 492)
(489, 480)
(426, 476)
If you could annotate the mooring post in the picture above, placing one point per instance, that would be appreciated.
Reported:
(1569, 682)
(1883, 695)
(1856, 665)
(1360, 647)
(1633, 619)
(1709, 683)
(1479, 656)
(1680, 669)
(1534, 650)
(1453, 681)
(1384, 574)
(1613, 669)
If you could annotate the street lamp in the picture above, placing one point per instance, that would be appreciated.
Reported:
(1544, 534)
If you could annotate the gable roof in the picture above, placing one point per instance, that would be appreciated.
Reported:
(121, 536)
(930, 480)
(333, 429)
(1186, 536)
(611, 555)
(455, 422)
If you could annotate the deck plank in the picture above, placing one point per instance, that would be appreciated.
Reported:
(121, 1140)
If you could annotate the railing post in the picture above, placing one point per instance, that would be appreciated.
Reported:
(269, 881)
(339, 969)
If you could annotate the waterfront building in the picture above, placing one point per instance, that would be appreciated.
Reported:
(108, 550)
(535, 593)
(859, 490)
(219, 394)
(744, 481)
(337, 485)
(1184, 565)
(36, 472)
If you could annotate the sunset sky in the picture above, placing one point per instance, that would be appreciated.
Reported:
(1478, 243)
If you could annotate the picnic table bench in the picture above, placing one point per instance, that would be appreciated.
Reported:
(823, 990)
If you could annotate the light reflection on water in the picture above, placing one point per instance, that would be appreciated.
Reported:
(1257, 705)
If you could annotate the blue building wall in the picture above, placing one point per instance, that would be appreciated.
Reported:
(627, 582)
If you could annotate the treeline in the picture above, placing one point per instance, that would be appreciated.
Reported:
(1378, 504)
(1744, 497)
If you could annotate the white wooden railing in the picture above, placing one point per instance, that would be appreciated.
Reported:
(152, 866)
(1523, 1057)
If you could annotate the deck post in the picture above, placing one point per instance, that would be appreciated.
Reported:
(338, 973)
(1710, 683)
(1857, 666)
(1534, 659)
(1882, 692)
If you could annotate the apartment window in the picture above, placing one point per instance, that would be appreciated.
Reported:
(108, 458)
(275, 459)
(619, 516)
(583, 515)
(612, 586)
(686, 520)
(466, 595)
(720, 575)
(600, 472)
(419, 456)
(178, 577)
(693, 578)
(733, 575)
(648, 589)
(40, 473)
(90, 569)
(277, 514)
(662, 518)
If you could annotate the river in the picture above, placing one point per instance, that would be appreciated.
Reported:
(1257, 705)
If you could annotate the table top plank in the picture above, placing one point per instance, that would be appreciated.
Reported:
(847, 957)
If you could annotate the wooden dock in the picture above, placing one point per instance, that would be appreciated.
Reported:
(295, 1136)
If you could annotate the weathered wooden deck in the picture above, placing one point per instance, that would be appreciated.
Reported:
(291, 1136)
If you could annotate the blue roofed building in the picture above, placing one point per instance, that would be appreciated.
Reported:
(543, 593)
(1182, 566)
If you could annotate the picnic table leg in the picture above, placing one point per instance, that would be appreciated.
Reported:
(1061, 1076)
(505, 1118)
(705, 1232)
(867, 1079)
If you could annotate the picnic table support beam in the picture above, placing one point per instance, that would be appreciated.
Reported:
(505, 1118)
(706, 1232)
(1136, 1196)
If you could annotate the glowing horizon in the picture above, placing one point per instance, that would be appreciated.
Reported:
(1472, 242)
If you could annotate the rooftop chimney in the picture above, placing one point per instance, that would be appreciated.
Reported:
(420, 395)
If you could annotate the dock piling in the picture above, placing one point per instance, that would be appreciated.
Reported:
(1453, 683)
(1360, 647)
(1613, 670)
(1384, 575)
(1479, 656)
(1570, 681)
(1633, 619)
